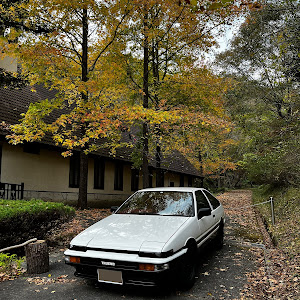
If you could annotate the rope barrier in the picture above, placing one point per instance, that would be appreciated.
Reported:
(20, 245)
(243, 207)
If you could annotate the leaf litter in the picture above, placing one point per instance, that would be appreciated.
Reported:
(276, 275)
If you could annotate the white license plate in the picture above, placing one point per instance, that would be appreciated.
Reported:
(110, 276)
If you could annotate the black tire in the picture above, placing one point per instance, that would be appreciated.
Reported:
(187, 271)
(219, 240)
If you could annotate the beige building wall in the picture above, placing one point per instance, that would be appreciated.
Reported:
(47, 169)
(9, 64)
(171, 177)
(46, 175)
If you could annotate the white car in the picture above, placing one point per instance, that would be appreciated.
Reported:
(151, 238)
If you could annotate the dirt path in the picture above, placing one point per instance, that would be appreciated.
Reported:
(241, 270)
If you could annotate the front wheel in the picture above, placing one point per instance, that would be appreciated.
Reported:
(188, 269)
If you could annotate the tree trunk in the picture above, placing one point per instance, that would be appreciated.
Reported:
(83, 178)
(159, 171)
(155, 65)
(37, 257)
(145, 167)
(201, 170)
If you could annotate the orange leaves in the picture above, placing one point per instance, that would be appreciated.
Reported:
(255, 6)
(91, 113)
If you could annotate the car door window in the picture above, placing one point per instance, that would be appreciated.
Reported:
(213, 201)
(201, 200)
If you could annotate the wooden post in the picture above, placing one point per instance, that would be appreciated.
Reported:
(37, 257)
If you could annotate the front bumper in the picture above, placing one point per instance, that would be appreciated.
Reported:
(90, 262)
(130, 277)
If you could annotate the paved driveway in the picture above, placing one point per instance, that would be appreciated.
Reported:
(221, 275)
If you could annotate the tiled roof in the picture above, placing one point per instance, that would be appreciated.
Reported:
(14, 102)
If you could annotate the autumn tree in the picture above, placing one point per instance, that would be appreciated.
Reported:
(203, 131)
(166, 39)
(13, 15)
(73, 59)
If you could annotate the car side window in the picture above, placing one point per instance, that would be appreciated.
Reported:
(213, 201)
(201, 200)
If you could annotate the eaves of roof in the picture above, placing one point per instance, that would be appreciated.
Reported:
(14, 102)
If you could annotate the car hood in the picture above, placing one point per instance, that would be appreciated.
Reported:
(130, 232)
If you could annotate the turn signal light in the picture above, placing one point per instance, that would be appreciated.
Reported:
(146, 267)
(75, 259)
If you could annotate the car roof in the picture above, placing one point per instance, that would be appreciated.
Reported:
(172, 189)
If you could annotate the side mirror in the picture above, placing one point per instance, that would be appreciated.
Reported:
(113, 209)
(202, 212)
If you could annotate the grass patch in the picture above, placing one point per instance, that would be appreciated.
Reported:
(14, 208)
(285, 232)
(21, 220)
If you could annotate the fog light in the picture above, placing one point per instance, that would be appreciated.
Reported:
(146, 267)
(75, 259)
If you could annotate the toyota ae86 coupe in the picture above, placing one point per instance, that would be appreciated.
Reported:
(152, 238)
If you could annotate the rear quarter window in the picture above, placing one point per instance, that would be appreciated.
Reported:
(213, 200)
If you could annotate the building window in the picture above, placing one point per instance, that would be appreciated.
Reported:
(31, 148)
(190, 181)
(99, 171)
(181, 183)
(160, 178)
(135, 179)
(172, 184)
(74, 170)
(118, 176)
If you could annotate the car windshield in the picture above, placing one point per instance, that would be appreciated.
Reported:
(167, 203)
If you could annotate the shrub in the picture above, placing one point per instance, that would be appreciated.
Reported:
(21, 220)
(8, 262)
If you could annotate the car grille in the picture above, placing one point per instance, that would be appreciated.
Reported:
(123, 265)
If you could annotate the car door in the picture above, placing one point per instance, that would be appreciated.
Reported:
(206, 223)
(217, 210)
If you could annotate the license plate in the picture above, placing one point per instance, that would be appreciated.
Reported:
(110, 276)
